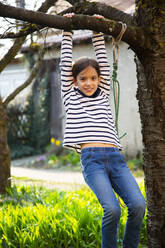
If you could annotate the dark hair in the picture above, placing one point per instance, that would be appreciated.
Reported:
(82, 63)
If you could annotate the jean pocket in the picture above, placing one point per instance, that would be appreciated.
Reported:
(85, 158)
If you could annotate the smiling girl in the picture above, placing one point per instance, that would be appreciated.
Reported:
(90, 130)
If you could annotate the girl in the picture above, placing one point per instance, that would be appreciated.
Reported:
(90, 130)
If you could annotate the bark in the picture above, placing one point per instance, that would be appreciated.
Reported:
(154, 171)
(136, 37)
(5, 180)
(86, 8)
(151, 96)
(80, 8)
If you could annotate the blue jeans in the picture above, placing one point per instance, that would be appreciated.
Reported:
(105, 171)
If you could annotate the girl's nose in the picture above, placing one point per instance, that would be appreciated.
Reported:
(87, 82)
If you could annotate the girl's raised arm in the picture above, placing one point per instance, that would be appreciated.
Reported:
(66, 63)
(101, 56)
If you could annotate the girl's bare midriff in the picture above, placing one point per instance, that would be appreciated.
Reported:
(86, 145)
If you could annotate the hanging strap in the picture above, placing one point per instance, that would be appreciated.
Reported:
(116, 42)
(116, 85)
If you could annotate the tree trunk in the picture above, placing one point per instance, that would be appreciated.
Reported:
(5, 180)
(152, 111)
(151, 96)
(154, 161)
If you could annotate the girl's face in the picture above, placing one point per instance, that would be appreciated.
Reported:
(87, 81)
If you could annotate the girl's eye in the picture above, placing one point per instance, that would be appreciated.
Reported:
(82, 79)
(94, 78)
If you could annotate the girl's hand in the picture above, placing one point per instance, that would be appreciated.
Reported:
(69, 15)
(98, 16)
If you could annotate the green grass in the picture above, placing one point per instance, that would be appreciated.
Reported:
(37, 217)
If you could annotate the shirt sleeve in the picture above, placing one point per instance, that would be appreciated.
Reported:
(66, 64)
(101, 56)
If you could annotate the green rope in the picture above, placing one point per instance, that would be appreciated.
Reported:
(116, 95)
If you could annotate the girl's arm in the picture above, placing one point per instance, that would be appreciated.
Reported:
(66, 63)
(101, 55)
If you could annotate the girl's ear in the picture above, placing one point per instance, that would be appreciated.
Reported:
(75, 81)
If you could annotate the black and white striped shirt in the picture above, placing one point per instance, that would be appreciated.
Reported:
(88, 119)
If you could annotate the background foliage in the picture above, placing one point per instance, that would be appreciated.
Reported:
(28, 127)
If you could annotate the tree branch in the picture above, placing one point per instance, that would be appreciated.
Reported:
(109, 12)
(134, 36)
(12, 52)
(8, 57)
(85, 8)
(28, 81)
(29, 28)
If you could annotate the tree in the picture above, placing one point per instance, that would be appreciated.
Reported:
(145, 35)
(5, 178)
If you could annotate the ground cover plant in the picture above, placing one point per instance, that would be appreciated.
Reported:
(37, 217)
(70, 160)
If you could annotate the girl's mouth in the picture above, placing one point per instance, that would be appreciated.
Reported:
(88, 90)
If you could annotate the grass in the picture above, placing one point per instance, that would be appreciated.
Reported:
(37, 217)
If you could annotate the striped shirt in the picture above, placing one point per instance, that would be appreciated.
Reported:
(88, 119)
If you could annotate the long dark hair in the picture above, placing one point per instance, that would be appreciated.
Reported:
(82, 63)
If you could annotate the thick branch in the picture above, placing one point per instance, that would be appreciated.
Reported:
(27, 82)
(87, 8)
(8, 57)
(29, 29)
(134, 36)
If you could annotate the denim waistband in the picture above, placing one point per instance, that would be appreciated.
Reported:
(99, 149)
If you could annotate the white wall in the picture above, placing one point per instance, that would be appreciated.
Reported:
(129, 118)
(13, 76)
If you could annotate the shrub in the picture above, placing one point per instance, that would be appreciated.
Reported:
(67, 159)
(28, 126)
(136, 163)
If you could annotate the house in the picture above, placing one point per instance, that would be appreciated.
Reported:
(129, 119)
